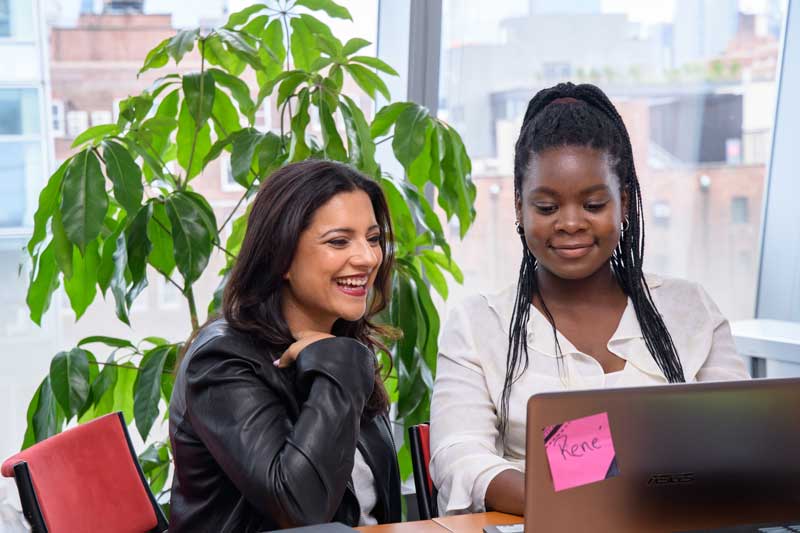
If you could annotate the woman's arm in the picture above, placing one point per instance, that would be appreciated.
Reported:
(465, 458)
(294, 473)
(723, 361)
(506, 493)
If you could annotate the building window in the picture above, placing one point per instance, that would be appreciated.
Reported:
(740, 210)
(101, 117)
(57, 111)
(19, 111)
(5, 18)
(77, 122)
(661, 213)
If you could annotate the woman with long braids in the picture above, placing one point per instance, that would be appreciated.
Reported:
(583, 313)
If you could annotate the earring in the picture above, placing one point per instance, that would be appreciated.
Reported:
(623, 227)
(520, 230)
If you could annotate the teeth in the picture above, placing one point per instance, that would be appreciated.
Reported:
(352, 282)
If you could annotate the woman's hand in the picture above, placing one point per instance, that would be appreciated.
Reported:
(304, 338)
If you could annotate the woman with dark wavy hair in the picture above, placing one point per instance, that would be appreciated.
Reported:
(583, 313)
(279, 414)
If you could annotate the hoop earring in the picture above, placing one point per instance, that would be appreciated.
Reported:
(520, 230)
(623, 227)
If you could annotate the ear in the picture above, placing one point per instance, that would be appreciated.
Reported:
(623, 203)
(518, 206)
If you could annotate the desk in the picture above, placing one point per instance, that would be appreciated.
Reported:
(465, 523)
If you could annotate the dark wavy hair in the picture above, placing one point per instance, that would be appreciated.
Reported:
(282, 209)
(582, 115)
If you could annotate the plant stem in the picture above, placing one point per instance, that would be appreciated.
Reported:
(236, 207)
(192, 308)
(384, 140)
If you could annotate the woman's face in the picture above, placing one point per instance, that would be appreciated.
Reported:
(335, 264)
(571, 209)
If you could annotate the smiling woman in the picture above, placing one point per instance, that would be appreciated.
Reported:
(281, 405)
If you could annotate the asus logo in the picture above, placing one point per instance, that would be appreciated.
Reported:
(671, 479)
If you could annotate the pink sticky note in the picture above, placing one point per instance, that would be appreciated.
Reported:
(580, 451)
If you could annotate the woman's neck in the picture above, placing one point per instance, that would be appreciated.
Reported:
(599, 286)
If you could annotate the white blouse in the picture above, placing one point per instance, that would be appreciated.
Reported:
(364, 486)
(467, 452)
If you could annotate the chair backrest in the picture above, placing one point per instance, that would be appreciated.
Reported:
(85, 479)
(419, 445)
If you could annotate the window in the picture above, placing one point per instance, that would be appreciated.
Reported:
(20, 155)
(5, 18)
(661, 213)
(740, 212)
(101, 117)
(57, 111)
(695, 83)
(77, 122)
(19, 111)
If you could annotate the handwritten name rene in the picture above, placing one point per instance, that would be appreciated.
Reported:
(569, 450)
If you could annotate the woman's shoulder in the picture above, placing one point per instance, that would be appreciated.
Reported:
(217, 341)
(680, 297)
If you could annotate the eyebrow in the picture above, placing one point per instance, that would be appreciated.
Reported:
(349, 231)
(588, 190)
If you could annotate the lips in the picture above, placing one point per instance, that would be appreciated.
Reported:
(572, 250)
(353, 285)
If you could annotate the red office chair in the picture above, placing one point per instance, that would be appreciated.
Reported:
(84, 480)
(419, 444)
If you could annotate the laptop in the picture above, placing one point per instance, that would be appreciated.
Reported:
(683, 457)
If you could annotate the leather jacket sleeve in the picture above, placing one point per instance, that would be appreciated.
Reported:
(295, 472)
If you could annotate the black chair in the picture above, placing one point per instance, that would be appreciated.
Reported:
(419, 445)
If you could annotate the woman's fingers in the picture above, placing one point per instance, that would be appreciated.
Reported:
(304, 339)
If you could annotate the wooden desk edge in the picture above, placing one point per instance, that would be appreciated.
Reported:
(466, 523)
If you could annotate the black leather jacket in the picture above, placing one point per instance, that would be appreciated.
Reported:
(259, 448)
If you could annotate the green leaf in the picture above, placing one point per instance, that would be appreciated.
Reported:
(47, 418)
(328, 6)
(156, 58)
(181, 44)
(198, 90)
(114, 342)
(238, 229)
(368, 80)
(244, 146)
(95, 132)
(299, 149)
(125, 174)
(386, 117)
(239, 90)
(147, 389)
(332, 142)
(272, 38)
(240, 17)
(106, 269)
(206, 212)
(409, 134)
(303, 45)
(216, 54)
(402, 220)
(102, 390)
(359, 140)
(445, 262)
(155, 463)
(288, 86)
(269, 154)
(435, 277)
(82, 286)
(123, 390)
(30, 439)
(239, 46)
(193, 146)
(44, 281)
(159, 228)
(48, 203)
(84, 202)
(62, 247)
(69, 378)
(118, 283)
(354, 45)
(375, 63)
(137, 244)
(329, 45)
(225, 117)
(419, 171)
(191, 237)
(457, 193)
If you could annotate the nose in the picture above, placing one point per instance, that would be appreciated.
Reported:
(365, 255)
(571, 219)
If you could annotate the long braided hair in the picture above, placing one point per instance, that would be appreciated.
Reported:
(582, 115)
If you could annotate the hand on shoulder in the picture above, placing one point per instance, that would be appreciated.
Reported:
(304, 339)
